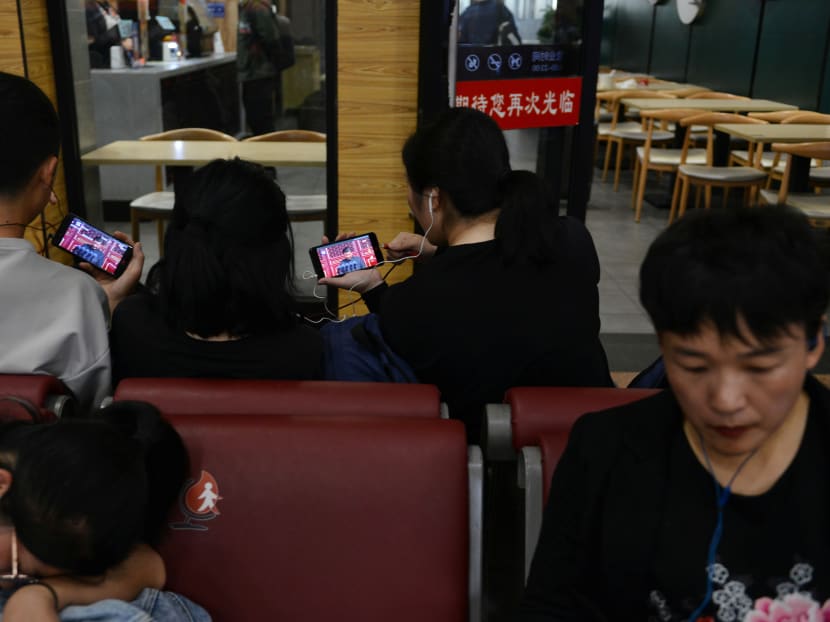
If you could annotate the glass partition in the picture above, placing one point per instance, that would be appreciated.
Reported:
(249, 68)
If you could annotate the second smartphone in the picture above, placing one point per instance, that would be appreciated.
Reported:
(344, 256)
(92, 245)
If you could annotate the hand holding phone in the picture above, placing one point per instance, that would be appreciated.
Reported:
(90, 244)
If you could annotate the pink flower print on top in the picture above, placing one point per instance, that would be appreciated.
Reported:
(798, 607)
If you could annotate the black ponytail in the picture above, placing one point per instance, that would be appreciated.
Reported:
(528, 223)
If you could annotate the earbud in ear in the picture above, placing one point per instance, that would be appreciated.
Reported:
(430, 203)
(53, 198)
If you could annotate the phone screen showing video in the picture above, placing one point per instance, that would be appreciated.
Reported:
(92, 245)
(339, 258)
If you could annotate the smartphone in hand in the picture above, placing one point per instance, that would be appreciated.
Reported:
(344, 256)
(92, 245)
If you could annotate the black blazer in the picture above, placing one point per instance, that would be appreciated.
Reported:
(598, 538)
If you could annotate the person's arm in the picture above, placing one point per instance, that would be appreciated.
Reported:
(559, 585)
(144, 568)
(411, 245)
(118, 289)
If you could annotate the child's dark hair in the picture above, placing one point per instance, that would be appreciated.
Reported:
(761, 265)
(165, 458)
(228, 256)
(463, 152)
(29, 127)
(84, 492)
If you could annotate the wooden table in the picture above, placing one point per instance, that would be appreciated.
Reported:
(712, 105)
(782, 133)
(777, 132)
(196, 153)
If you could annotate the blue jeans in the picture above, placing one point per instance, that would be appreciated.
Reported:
(150, 606)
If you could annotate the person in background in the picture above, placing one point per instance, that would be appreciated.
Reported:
(710, 500)
(54, 318)
(219, 304)
(80, 500)
(507, 295)
(257, 44)
(488, 22)
(102, 32)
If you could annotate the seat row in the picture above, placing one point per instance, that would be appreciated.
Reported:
(356, 497)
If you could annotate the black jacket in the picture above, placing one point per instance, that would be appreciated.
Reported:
(598, 538)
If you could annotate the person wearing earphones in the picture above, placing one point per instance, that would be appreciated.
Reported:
(54, 318)
(711, 499)
(507, 295)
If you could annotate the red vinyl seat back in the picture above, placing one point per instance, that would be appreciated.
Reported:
(203, 396)
(321, 519)
(38, 389)
(537, 410)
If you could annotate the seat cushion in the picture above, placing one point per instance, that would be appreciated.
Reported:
(820, 174)
(305, 204)
(723, 173)
(672, 156)
(767, 158)
(605, 128)
(813, 205)
(155, 201)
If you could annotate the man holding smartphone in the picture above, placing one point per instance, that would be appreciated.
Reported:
(53, 319)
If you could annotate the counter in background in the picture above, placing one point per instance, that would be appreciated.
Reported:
(131, 103)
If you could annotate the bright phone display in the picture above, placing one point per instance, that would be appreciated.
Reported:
(343, 256)
(92, 245)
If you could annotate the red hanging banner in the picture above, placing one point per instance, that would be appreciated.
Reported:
(533, 102)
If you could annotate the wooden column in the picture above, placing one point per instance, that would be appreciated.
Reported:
(377, 75)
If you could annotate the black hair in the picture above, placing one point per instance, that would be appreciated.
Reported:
(463, 152)
(30, 130)
(84, 492)
(347, 248)
(761, 265)
(228, 257)
(165, 458)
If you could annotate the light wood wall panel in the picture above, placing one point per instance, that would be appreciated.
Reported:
(377, 82)
(28, 52)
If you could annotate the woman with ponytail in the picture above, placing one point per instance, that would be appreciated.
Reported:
(507, 295)
(219, 304)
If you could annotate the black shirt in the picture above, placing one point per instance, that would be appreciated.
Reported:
(475, 326)
(774, 544)
(144, 345)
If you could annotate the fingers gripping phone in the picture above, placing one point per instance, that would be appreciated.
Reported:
(344, 256)
(92, 245)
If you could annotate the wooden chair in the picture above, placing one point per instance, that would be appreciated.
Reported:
(709, 176)
(158, 205)
(306, 207)
(687, 91)
(605, 112)
(662, 160)
(629, 136)
(815, 206)
(716, 95)
(295, 136)
(775, 171)
(768, 159)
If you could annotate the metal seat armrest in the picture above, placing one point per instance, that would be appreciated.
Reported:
(498, 433)
(530, 480)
